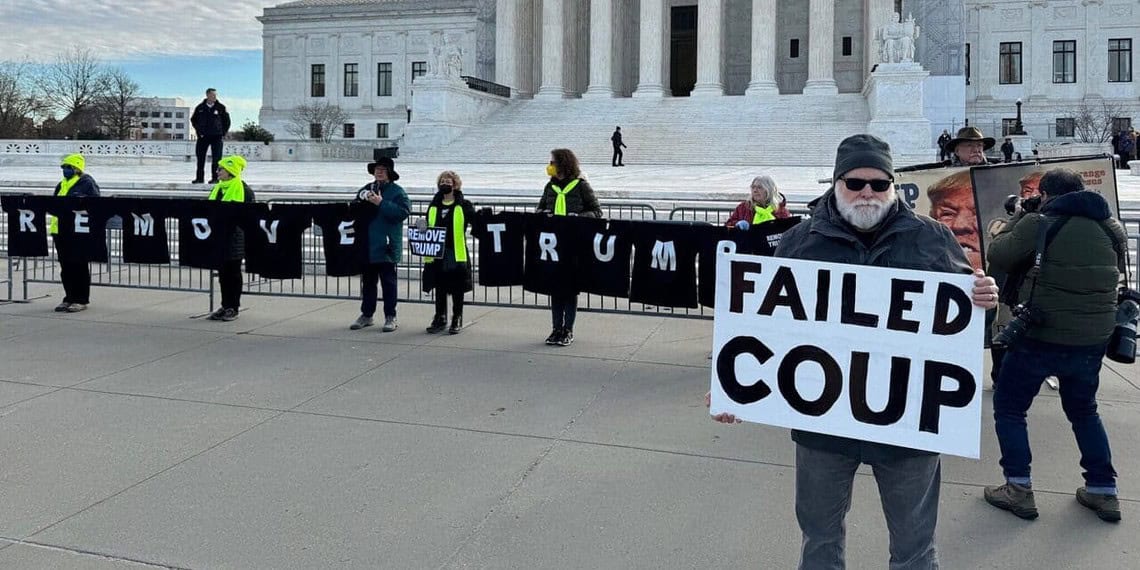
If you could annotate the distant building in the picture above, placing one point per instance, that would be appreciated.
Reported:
(162, 118)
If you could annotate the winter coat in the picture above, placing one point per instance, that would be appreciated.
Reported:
(210, 123)
(942, 140)
(616, 139)
(447, 274)
(1007, 150)
(85, 187)
(580, 200)
(746, 211)
(386, 221)
(905, 240)
(1076, 288)
(236, 250)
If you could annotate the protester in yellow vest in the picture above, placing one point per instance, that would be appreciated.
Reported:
(566, 194)
(73, 266)
(764, 205)
(450, 274)
(231, 188)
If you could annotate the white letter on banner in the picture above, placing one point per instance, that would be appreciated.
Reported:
(81, 219)
(664, 256)
(201, 228)
(26, 219)
(609, 255)
(144, 225)
(547, 242)
(271, 231)
(347, 233)
(497, 233)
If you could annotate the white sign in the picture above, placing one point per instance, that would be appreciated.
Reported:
(427, 242)
(885, 355)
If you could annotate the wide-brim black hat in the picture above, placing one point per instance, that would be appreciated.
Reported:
(388, 164)
(970, 134)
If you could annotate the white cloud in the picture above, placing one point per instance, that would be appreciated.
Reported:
(124, 29)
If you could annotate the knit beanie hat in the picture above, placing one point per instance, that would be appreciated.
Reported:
(862, 151)
(75, 161)
(233, 164)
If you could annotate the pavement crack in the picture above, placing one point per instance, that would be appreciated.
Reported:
(92, 554)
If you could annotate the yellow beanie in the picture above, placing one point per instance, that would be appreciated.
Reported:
(74, 160)
(233, 164)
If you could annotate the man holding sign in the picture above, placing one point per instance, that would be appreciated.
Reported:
(859, 221)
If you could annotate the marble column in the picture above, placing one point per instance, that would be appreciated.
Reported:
(1096, 67)
(821, 49)
(601, 49)
(506, 46)
(553, 34)
(764, 34)
(710, 48)
(267, 72)
(1040, 52)
(986, 67)
(652, 49)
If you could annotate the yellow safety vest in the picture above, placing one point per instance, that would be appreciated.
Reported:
(763, 214)
(560, 201)
(64, 188)
(231, 190)
(458, 231)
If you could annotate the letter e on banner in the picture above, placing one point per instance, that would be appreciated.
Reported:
(347, 233)
(81, 219)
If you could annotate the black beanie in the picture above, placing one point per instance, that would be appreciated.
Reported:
(862, 151)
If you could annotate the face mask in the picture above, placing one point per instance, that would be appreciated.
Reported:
(550, 170)
(446, 188)
(68, 172)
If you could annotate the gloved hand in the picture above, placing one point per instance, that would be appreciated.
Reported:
(743, 225)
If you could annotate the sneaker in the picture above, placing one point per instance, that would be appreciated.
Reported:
(62, 307)
(438, 323)
(456, 324)
(553, 338)
(230, 315)
(1015, 499)
(361, 322)
(390, 324)
(1107, 507)
(76, 307)
(217, 315)
(566, 338)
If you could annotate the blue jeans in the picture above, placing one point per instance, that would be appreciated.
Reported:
(1025, 367)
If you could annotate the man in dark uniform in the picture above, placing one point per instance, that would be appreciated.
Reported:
(616, 139)
(211, 121)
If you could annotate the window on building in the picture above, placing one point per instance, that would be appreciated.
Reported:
(144, 136)
(180, 115)
(419, 69)
(794, 49)
(315, 131)
(1008, 126)
(1120, 61)
(349, 130)
(166, 114)
(1010, 65)
(1066, 127)
(180, 125)
(1121, 124)
(1065, 61)
(179, 137)
(384, 79)
(154, 114)
(166, 125)
(846, 45)
(143, 125)
(317, 81)
(381, 130)
(351, 80)
(967, 64)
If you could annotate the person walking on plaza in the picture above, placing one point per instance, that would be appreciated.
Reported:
(861, 221)
(386, 206)
(764, 205)
(449, 275)
(231, 188)
(618, 145)
(211, 122)
(566, 194)
(74, 270)
(1074, 291)
(943, 140)
(1007, 149)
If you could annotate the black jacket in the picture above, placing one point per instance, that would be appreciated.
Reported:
(210, 123)
(447, 274)
(85, 187)
(616, 139)
(1007, 149)
(581, 200)
(237, 238)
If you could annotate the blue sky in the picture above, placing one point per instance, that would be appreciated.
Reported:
(172, 49)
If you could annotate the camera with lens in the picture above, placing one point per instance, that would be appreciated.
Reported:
(1028, 205)
(1024, 317)
(1122, 344)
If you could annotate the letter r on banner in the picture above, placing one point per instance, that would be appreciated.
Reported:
(201, 228)
(497, 235)
(271, 231)
(27, 218)
(144, 225)
(347, 233)
(547, 242)
(81, 219)
(664, 256)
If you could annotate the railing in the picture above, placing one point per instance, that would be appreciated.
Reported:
(486, 86)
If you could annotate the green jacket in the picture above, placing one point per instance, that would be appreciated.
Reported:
(1077, 285)
(385, 222)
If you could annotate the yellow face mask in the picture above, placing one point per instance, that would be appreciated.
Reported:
(550, 170)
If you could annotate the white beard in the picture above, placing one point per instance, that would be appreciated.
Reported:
(865, 215)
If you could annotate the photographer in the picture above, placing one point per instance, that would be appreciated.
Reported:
(1065, 257)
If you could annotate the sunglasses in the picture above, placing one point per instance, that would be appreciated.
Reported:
(857, 184)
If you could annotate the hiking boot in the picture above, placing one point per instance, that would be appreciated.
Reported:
(229, 315)
(1107, 507)
(456, 324)
(76, 307)
(197, 181)
(361, 322)
(62, 307)
(566, 338)
(390, 324)
(438, 323)
(553, 338)
(1013, 498)
(217, 315)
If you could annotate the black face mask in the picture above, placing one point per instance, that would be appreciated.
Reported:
(446, 188)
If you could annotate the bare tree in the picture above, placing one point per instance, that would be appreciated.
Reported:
(320, 121)
(1093, 120)
(19, 104)
(72, 85)
(117, 106)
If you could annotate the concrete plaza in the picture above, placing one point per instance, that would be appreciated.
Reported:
(133, 436)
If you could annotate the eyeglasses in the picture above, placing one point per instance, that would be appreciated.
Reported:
(857, 184)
